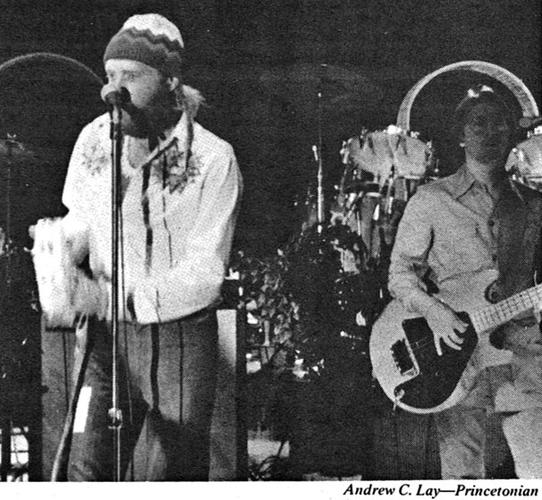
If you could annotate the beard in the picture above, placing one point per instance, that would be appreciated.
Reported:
(152, 119)
(134, 122)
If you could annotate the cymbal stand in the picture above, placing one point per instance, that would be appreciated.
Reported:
(389, 192)
(5, 399)
(8, 250)
(320, 175)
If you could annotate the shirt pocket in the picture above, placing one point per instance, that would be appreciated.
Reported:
(460, 248)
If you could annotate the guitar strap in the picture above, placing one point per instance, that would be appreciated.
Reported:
(519, 247)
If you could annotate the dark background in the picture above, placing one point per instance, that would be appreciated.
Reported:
(231, 46)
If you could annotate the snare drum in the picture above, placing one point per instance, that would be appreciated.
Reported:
(524, 162)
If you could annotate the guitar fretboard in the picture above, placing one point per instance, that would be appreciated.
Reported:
(497, 314)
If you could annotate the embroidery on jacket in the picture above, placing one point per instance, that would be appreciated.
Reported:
(175, 171)
(95, 157)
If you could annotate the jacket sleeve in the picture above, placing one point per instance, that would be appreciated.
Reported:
(409, 255)
(74, 197)
(195, 281)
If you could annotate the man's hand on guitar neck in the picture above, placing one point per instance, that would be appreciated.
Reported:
(445, 325)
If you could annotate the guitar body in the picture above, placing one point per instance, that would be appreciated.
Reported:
(405, 361)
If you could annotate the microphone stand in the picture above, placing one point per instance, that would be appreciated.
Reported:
(115, 413)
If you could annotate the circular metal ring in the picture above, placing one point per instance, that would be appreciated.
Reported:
(53, 57)
(523, 95)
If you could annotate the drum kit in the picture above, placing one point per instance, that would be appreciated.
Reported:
(381, 170)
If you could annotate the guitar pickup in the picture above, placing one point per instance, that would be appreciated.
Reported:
(403, 358)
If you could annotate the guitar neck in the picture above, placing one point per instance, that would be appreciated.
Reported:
(497, 314)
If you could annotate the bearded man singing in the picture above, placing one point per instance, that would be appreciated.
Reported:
(180, 192)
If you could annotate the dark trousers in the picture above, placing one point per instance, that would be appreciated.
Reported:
(167, 387)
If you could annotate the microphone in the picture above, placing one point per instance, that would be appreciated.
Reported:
(115, 97)
(119, 100)
(529, 122)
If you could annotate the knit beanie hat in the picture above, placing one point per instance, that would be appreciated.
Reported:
(150, 39)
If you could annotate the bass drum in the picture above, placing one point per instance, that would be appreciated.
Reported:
(524, 162)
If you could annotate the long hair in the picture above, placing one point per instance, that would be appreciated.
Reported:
(188, 99)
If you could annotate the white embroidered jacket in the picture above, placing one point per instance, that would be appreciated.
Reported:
(177, 225)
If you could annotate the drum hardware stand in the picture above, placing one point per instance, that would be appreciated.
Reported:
(390, 195)
(319, 188)
(6, 420)
(318, 155)
(353, 207)
(115, 413)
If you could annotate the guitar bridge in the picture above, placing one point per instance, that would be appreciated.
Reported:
(403, 358)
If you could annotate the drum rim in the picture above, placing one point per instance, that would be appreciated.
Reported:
(50, 56)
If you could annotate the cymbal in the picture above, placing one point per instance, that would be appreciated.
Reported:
(299, 84)
(12, 151)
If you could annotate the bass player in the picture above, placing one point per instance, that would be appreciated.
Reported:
(458, 226)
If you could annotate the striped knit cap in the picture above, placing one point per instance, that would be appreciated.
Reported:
(150, 39)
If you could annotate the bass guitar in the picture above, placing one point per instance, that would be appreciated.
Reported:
(405, 361)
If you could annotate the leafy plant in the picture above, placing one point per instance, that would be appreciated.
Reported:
(266, 296)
